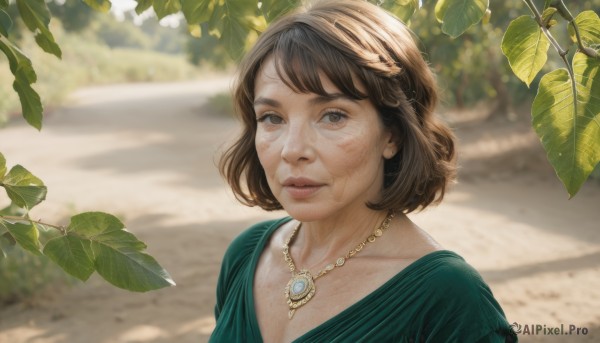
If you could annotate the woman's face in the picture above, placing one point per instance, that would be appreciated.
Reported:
(322, 156)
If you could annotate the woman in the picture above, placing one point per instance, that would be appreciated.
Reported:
(337, 106)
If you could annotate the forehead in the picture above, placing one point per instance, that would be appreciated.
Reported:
(275, 75)
(270, 77)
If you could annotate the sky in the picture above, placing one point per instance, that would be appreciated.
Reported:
(120, 7)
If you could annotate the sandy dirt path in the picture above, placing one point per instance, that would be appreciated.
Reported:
(146, 152)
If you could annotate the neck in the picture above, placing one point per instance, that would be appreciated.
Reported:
(319, 243)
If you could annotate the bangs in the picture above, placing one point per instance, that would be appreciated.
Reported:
(302, 57)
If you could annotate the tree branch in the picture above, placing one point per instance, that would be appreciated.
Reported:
(565, 13)
(559, 49)
(538, 18)
(60, 228)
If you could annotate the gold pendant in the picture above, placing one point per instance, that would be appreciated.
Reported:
(299, 290)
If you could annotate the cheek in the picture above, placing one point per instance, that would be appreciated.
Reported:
(265, 149)
(356, 156)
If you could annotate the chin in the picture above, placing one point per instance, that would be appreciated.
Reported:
(307, 212)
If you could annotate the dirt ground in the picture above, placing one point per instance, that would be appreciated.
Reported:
(147, 153)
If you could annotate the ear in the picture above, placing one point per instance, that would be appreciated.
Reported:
(390, 148)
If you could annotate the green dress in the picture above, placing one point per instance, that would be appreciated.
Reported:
(438, 298)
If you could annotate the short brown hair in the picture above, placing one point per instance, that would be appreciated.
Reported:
(349, 40)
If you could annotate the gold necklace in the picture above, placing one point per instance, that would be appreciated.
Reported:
(301, 287)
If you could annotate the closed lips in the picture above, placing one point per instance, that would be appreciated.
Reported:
(301, 183)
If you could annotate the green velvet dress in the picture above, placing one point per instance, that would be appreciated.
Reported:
(438, 298)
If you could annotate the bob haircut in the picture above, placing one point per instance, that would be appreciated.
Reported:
(350, 41)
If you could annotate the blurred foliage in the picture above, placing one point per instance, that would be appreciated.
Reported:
(118, 34)
(89, 59)
(19, 284)
(207, 49)
(73, 14)
(76, 16)
(471, 68)
(220, 104)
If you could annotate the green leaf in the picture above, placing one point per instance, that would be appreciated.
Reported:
(70, 252)
(403, 9)
(195, 30)
(31, 104)
(4, 246)
(3, 4)
(26, 235)
(197, 11)
(486, 17)
(2, 166)
(526, 47)
(35, 13)
(567, 120)
(143, 5)
(272, 9)
(457, 16)
(21, 68)
(165, 7)
(10, 240)
(547, 17)
(215, 23)
(5, 23)
(237, 19)
(99, 5)
(36, 16)
(45, 40)
(589, 28)
(120, 261)
(6, 243)
(13, 210)
(20, 65)
(117, 254)
(23, 188)
(234, 36)
(90, 224)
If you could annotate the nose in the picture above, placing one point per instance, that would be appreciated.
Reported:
(298, 143)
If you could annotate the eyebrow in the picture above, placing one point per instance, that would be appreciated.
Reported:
(317, 100)
(266, 101)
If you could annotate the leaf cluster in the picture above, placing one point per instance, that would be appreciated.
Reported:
(92, 242)
(36, 16)
(566, 109)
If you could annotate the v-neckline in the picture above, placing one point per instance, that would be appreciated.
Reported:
(259, 250)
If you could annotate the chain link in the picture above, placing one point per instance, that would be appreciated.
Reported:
(341, 260)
